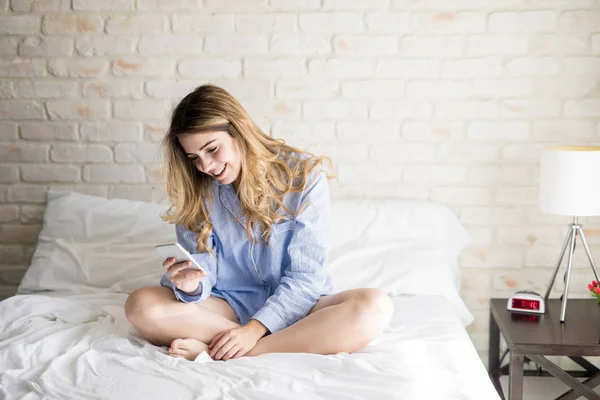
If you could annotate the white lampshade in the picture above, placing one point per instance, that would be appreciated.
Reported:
(570, 180)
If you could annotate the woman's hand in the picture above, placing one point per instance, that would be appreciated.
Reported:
(236, 342)
(182, 276)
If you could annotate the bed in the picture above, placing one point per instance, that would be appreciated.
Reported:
(65, 335)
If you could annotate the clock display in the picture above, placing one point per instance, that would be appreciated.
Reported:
(526, 304)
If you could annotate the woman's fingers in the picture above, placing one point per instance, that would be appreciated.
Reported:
(234, 349)
(240, 353)
(201, 272)
(224, 349)
(215, 340)
(170, 264)
(193, 274)
(220, 343)
(175, 268)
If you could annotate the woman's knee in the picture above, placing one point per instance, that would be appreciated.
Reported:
(145, 304)
(373, 305)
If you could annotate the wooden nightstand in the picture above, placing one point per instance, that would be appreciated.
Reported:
(529, 338)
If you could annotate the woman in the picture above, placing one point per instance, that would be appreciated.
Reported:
(254, 212)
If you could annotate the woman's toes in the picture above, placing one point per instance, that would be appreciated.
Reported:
(176, 343)
(193, 345)
(178, 351)
(188, 348)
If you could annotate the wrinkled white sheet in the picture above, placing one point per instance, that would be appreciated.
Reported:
(80, 346)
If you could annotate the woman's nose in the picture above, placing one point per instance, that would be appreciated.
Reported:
(205, 165)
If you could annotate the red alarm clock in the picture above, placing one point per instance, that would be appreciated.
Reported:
(527, 302)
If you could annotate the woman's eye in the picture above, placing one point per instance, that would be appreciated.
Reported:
(212, 150)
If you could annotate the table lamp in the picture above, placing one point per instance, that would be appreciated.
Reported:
(570, 185)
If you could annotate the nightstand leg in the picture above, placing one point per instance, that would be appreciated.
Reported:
(515, 378)
(494, 355)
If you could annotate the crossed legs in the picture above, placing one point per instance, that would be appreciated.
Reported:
(342, 322)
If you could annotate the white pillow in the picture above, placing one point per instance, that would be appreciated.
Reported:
(366, 223)
(398, 246)
(93, 244)
(398, 268)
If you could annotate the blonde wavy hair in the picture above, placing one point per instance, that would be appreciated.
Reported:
(269, 168)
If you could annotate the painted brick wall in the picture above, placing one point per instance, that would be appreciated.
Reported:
(443, 100)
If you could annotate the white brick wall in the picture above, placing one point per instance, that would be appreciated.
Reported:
(452, 99)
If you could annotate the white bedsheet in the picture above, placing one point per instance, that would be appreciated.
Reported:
(80, 346)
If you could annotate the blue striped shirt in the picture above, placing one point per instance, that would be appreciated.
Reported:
(276, 284)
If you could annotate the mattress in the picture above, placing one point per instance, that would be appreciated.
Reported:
(80, 346)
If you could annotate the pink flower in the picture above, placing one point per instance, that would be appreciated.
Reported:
(597, 290)
(594, 283)
(590, 287)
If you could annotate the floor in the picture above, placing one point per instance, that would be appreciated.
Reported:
(540, 388)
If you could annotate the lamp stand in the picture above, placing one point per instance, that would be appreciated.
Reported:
(575, 228)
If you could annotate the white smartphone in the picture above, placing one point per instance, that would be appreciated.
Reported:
(174, 250)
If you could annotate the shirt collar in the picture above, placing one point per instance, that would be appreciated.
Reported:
(231, 201)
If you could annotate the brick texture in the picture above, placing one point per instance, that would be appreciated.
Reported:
(449, 101)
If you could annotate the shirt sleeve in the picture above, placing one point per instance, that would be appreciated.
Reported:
(304, 278)
(187, 239)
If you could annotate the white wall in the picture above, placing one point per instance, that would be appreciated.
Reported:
(434, 99)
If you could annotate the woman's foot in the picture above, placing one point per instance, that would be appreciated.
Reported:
(187, 348)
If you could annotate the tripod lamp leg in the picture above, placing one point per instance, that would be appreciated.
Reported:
(563, 309)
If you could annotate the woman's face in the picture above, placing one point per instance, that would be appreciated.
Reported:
(214, 153)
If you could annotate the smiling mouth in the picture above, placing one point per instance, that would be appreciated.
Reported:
(220, 174)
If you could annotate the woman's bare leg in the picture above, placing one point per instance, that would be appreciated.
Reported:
(186, 328)
(343, 322)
